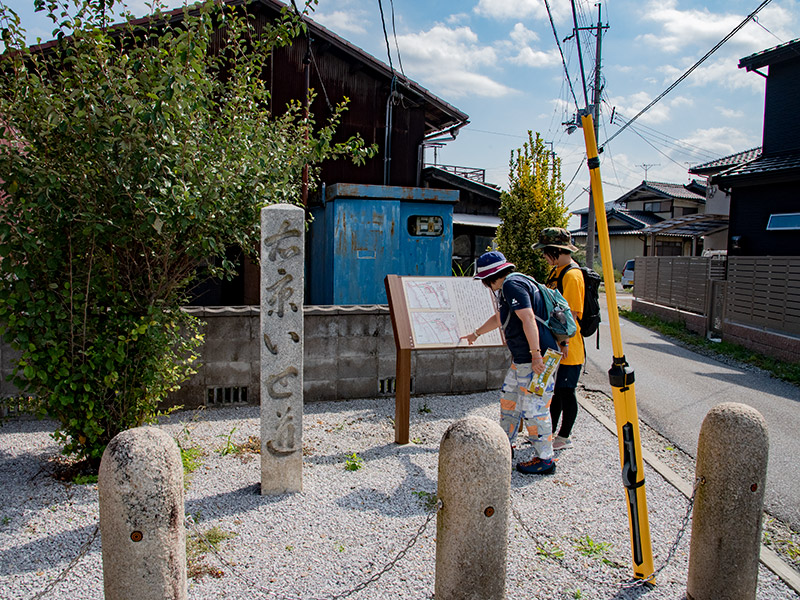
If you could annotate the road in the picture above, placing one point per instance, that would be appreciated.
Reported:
(675, 389)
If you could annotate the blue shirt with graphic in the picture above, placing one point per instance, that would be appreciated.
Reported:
(516, 293)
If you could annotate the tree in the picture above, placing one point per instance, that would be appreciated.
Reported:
(534, 200)
(132, 156)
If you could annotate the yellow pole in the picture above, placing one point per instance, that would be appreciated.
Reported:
(621, 378)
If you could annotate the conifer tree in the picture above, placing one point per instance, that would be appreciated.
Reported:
(534, 200)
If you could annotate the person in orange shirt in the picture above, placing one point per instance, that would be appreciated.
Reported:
(556, 245)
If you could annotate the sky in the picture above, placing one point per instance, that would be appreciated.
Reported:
(497, 61)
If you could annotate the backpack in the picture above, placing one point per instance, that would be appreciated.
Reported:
(590, 319)
(559, 320)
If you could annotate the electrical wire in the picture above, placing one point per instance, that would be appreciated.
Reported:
(396, 45)
(689, 71)
(687, 149)
(563, 61)
(386, 36)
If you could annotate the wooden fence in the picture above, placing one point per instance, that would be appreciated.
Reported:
(759, 291)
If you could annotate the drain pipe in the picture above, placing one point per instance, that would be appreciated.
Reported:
(387, 139)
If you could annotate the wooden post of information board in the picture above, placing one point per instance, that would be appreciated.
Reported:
(403, 342)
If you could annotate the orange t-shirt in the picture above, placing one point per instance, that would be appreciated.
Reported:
(573, 292)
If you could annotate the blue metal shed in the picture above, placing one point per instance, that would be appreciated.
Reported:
(361, 233)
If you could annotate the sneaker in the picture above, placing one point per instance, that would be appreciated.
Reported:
(537, 466)
(561, 443)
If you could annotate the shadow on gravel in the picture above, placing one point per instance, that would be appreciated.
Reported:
(54, 550)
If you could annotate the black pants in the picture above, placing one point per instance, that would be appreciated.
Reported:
(564, 405)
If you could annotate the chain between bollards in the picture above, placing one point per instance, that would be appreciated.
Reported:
(372, 579)
(627, 584)
(81, 553)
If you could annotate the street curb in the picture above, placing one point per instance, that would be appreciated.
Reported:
(768, 557)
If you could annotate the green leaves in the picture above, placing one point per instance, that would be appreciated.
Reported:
(123, 173)
(535, 200)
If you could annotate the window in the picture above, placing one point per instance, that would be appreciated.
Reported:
(664, 206)
(783, 222)
(425, 225)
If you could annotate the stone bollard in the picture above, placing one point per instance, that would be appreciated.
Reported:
(140, 484)
(726, 525)
(282, 264)
(472, 525)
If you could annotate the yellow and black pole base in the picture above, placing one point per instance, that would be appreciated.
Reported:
(621, 377)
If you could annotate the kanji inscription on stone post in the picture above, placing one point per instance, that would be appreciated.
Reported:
(282, 263)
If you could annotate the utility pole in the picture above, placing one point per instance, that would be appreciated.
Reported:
(590, 228)
(595, 108)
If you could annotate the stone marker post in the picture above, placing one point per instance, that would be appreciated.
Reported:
(140, 484)
(726, 524)
(282, 264)
(472, 525)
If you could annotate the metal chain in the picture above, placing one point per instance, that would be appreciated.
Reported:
(674, 548)
(81, 553)
(635, 583)
(388, 567)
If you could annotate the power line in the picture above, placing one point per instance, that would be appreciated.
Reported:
(386, 37)
(558, 43)
(396, 45)
(689, 71)
(664, 138)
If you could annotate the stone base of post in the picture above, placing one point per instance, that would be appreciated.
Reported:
(726, 525)
(140, 484)
(472, 525)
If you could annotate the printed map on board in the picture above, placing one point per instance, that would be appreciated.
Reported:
(442, 309)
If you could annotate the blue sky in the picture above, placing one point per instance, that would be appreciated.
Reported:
(497, 61)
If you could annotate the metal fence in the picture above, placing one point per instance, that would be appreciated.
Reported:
(759, 291)
(764, 291)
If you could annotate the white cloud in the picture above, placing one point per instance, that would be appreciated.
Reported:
(721, 72)
(629, 106)
(536, 58)
(520, 9)
(342, 22)
(449, 60)
(522, 35)
(730, 113)
(679, 30)
(720, 141)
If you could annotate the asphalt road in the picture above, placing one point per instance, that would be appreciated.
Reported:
(675, 389)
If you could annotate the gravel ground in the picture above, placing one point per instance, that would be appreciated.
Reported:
(570, 540)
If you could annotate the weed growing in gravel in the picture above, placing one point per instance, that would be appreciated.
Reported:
(191, 456)
(198, 546)
(353, 462)
(6, 520)
(229, 446)
(84, 479)
(424, 409)
(550, 550)
(577, 594)
(416, 440)
(591, 549)
(428, 500)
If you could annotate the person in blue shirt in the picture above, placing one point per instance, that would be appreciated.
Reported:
(518, 303)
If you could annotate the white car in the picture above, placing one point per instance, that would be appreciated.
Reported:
(627, 274)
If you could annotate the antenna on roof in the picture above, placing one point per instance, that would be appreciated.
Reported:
(646, 166)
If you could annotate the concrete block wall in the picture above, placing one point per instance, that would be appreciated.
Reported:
(349, 353)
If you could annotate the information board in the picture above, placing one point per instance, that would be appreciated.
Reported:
(439, 310)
